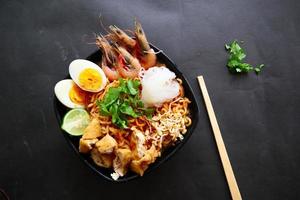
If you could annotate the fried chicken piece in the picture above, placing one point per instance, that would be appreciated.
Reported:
(102, 160)
(86, 145)
(93, 130)
(120, 163)
(106, 144)
(140, 166)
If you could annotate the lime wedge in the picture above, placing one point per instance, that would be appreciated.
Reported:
(75, 121)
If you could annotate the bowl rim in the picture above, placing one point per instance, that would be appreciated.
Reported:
(159, 161)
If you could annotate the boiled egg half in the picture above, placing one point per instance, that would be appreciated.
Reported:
(87, 75)
(70, 95)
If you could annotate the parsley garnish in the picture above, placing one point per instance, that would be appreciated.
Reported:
(236, 56)
(123, 102)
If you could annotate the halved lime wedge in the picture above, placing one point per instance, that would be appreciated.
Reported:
(75, 121)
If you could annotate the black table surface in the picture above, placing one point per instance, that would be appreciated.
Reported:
(259, 116)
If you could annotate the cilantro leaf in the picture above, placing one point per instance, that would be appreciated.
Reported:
(114, 113)
(139, 104)
(123, 86)
(259, 68)
(238, 70)
(112, 96)
(227, 47)
(245, 67)
(128, 110)
(122, 102)
(235, 62)
(104, 110)
(136, 83)
(149, 112)
(116, 119)
(131, 87)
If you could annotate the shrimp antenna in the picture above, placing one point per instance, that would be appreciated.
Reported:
(102, 36)
(129, 31)
(135, 20)
(115, 45)
(95, 36)
(101, 23)
(114, 28)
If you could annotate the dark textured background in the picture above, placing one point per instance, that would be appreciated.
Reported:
(259, 116)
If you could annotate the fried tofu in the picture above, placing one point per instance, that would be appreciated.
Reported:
(140, 166)
(102, 160)
(85, 145)
(120, 163)
(93, 130)
(138, 139)
(106, 144)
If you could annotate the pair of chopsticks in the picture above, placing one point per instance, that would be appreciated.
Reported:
(233, 187)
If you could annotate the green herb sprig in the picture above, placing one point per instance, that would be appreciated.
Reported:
(123, 102)
(236, 56)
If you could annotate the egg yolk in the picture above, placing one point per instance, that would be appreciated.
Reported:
(90, 79)
(77, 95)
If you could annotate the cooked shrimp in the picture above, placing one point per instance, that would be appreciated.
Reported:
(131, 67)
(111, 73)
(146, 54)
(121, 37)
(109, 61)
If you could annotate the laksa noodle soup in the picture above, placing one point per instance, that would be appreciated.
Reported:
(135, 106)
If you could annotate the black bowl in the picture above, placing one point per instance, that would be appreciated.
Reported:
(60, 111)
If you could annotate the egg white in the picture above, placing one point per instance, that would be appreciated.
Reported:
(78, 65)
(62, 89)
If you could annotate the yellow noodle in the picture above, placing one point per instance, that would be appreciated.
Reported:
(167, 125)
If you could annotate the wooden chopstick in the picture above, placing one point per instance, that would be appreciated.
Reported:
(233, 187)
